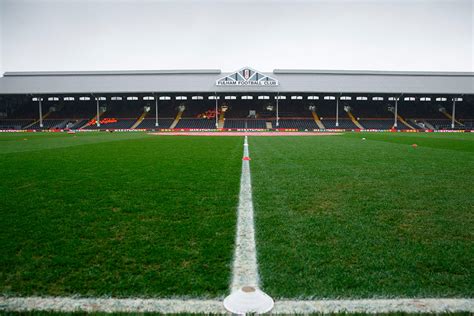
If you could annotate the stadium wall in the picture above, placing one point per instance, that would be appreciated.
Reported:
(204, 81)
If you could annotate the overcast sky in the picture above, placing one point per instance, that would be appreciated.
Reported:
(113, 35)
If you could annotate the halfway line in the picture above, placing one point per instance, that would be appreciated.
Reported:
(245, 269)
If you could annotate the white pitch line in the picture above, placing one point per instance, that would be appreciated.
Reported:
(214, 306)
(245, 269)
(109, 305)
(376, 306)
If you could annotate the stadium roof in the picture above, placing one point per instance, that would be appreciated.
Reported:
(204, 81)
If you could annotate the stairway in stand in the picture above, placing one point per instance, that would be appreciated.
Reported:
(177, 119)
(139, 120)
(317, 120)
(354, 120)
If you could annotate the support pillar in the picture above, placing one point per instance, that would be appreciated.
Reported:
(217, 114)
(40, 109)
(156, 112)
(453, 115)
(277, 111)
(395, 123)
(97, 121)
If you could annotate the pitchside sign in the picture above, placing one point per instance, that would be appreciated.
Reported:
(247, 77)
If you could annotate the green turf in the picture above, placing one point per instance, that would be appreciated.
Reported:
(337, 216)
(120, 214)
(129, 214)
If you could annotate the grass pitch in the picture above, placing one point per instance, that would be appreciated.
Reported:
(342, 217)
(133, 215)
(119, 214)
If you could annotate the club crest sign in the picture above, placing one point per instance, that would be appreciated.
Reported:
(247, 77)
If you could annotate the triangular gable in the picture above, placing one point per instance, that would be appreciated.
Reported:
(247, 77)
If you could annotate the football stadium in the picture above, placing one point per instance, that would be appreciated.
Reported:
(233, 191)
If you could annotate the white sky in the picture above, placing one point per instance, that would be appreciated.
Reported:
(425, 35)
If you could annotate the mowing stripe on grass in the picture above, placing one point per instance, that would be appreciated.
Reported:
(245, 270)
(376, 306)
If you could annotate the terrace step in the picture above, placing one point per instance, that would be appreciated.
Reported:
(354, 120)
(449, 116)
(401, 119)
(427, 124)
(317, 120)
(34, 122)
(78, 124)
(139, 120)
(418, 124)
(220, 124)
(95, 117)
(177, 119)
(61, 124)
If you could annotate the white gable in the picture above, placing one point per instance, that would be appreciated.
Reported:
(247, 77)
